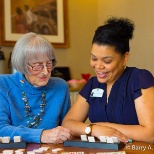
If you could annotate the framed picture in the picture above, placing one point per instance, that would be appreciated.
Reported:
(44, 17)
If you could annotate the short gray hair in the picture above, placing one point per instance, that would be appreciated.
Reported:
(27, 48)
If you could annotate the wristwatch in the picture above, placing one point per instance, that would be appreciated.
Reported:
(88, 129)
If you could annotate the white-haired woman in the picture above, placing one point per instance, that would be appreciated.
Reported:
(32, 103)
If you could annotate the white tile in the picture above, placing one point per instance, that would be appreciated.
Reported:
(102, 138)
(17, 138)
(6, 139)
(91, 139)
(84, 137)
(109, 140)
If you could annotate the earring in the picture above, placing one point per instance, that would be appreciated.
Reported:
(125, 65)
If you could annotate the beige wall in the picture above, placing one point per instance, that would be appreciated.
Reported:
(142, 13)
(83, 18)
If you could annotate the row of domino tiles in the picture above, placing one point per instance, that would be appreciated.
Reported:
(6, 139)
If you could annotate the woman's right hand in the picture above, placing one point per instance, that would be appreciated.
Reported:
(98, 131)
(56, 135)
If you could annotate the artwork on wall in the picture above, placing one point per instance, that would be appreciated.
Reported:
(44, 17)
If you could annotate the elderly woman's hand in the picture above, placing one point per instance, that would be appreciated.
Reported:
(56, 135)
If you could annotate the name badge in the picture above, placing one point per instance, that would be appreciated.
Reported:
(97, 92)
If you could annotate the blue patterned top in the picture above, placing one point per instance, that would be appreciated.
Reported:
(12, 116)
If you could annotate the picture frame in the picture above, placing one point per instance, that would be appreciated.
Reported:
(8, 35)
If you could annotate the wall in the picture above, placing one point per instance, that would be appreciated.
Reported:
(83, 18)
(142, 13)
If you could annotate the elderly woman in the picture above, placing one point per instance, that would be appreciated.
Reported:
(32, 103)
(119, 101)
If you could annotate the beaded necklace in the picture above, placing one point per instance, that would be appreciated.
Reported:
(34, 120)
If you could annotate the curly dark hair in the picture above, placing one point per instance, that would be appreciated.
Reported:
(115, 32)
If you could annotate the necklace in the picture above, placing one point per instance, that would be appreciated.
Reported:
(34, 120)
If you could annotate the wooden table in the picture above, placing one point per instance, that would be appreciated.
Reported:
(130, 148)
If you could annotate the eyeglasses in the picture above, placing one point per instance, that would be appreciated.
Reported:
(39, 67)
